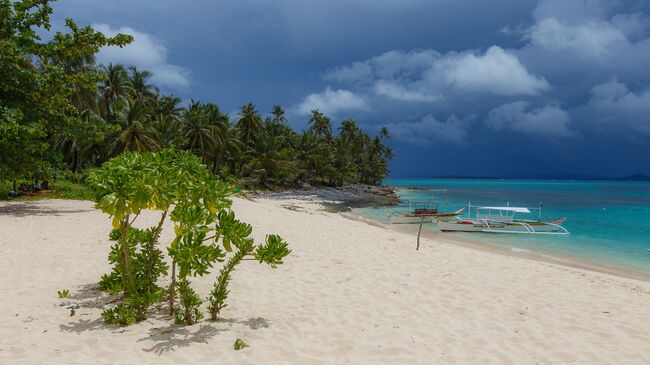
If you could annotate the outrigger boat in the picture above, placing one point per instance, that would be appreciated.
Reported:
(502, 220)
(422, 212)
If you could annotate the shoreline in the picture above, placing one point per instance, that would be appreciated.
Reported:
(341, 200)
(564, 261)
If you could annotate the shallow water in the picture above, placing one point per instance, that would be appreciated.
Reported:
(609, 221)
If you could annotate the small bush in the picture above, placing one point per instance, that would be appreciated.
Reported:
(110, 283)
(182, 190)
(188, 312)
(240, 344)
(122, 315)
(63, 293)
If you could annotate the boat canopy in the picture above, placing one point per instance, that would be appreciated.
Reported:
(507, 209)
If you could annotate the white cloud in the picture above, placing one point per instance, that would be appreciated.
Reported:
(586, 37)
(396, 64)
(572, 44)
(357, 71)
(426, 76)
(589, 39)
(549, 121)
(399, 92)
(612, 102)
(495, 72)
(404, 65)
(454, 130)
(332, 101)
(145, 52)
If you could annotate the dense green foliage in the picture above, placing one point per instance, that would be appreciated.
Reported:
(178, 186)
(58, 109)
(42, 84)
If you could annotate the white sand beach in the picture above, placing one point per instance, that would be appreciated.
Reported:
(350, 293)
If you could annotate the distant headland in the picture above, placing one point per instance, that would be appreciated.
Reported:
(633, 177)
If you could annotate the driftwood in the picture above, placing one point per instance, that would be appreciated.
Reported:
(419, 232)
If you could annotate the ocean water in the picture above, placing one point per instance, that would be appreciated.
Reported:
(609, 221)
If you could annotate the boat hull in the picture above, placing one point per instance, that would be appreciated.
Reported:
(417, 219)
(409, 220)
(500, 227)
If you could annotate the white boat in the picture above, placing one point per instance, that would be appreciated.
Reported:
(501, 220)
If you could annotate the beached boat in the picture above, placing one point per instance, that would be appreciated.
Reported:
(501, 220)
(419, 212)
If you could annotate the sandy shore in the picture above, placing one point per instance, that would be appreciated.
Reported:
(350, 293)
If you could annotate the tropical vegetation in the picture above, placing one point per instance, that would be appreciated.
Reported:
(60, 111)
(178, 187)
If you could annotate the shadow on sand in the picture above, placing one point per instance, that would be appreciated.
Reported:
(38, 208)
(174, 337)
(166, 339)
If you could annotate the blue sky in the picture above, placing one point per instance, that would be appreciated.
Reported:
(498, 88)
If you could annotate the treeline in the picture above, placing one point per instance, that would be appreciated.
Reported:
(128, 113)
(59, 110)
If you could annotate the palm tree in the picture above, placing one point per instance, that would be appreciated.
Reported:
(307, 151)
(349, 131)
(320, 124)
(168, 133)
(236, 151)
(343, 168)
(221, 136)
(197, 130)
(168, 105)
(134, 132)
(249, 123)
(278, 114)
(78, 140)
(268, 159)
(116, 83)
(384, 133)
(142, 90)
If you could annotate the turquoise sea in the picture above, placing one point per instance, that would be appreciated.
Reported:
(609, 221)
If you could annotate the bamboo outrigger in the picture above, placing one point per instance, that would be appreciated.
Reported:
(502, 220)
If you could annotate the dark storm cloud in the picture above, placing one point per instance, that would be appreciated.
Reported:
(516, 87)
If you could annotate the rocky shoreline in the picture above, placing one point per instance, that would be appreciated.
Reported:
(338, 199)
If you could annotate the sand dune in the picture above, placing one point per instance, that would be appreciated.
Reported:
(350, 293)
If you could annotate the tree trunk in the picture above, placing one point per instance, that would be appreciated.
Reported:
(75, 160)
(419, 232)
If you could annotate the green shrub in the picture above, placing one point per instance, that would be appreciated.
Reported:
(240, 344)
(122, 314)
(189, 302)
(63, 293)
(110, 283)
(180, 188)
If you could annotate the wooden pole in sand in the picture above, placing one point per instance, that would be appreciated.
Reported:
(419, 231)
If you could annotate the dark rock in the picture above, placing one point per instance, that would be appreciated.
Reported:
(341, 198)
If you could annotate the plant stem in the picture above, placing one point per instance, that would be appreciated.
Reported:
(172, 288)
(152, 245)
(126, 266)
(224, 278)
